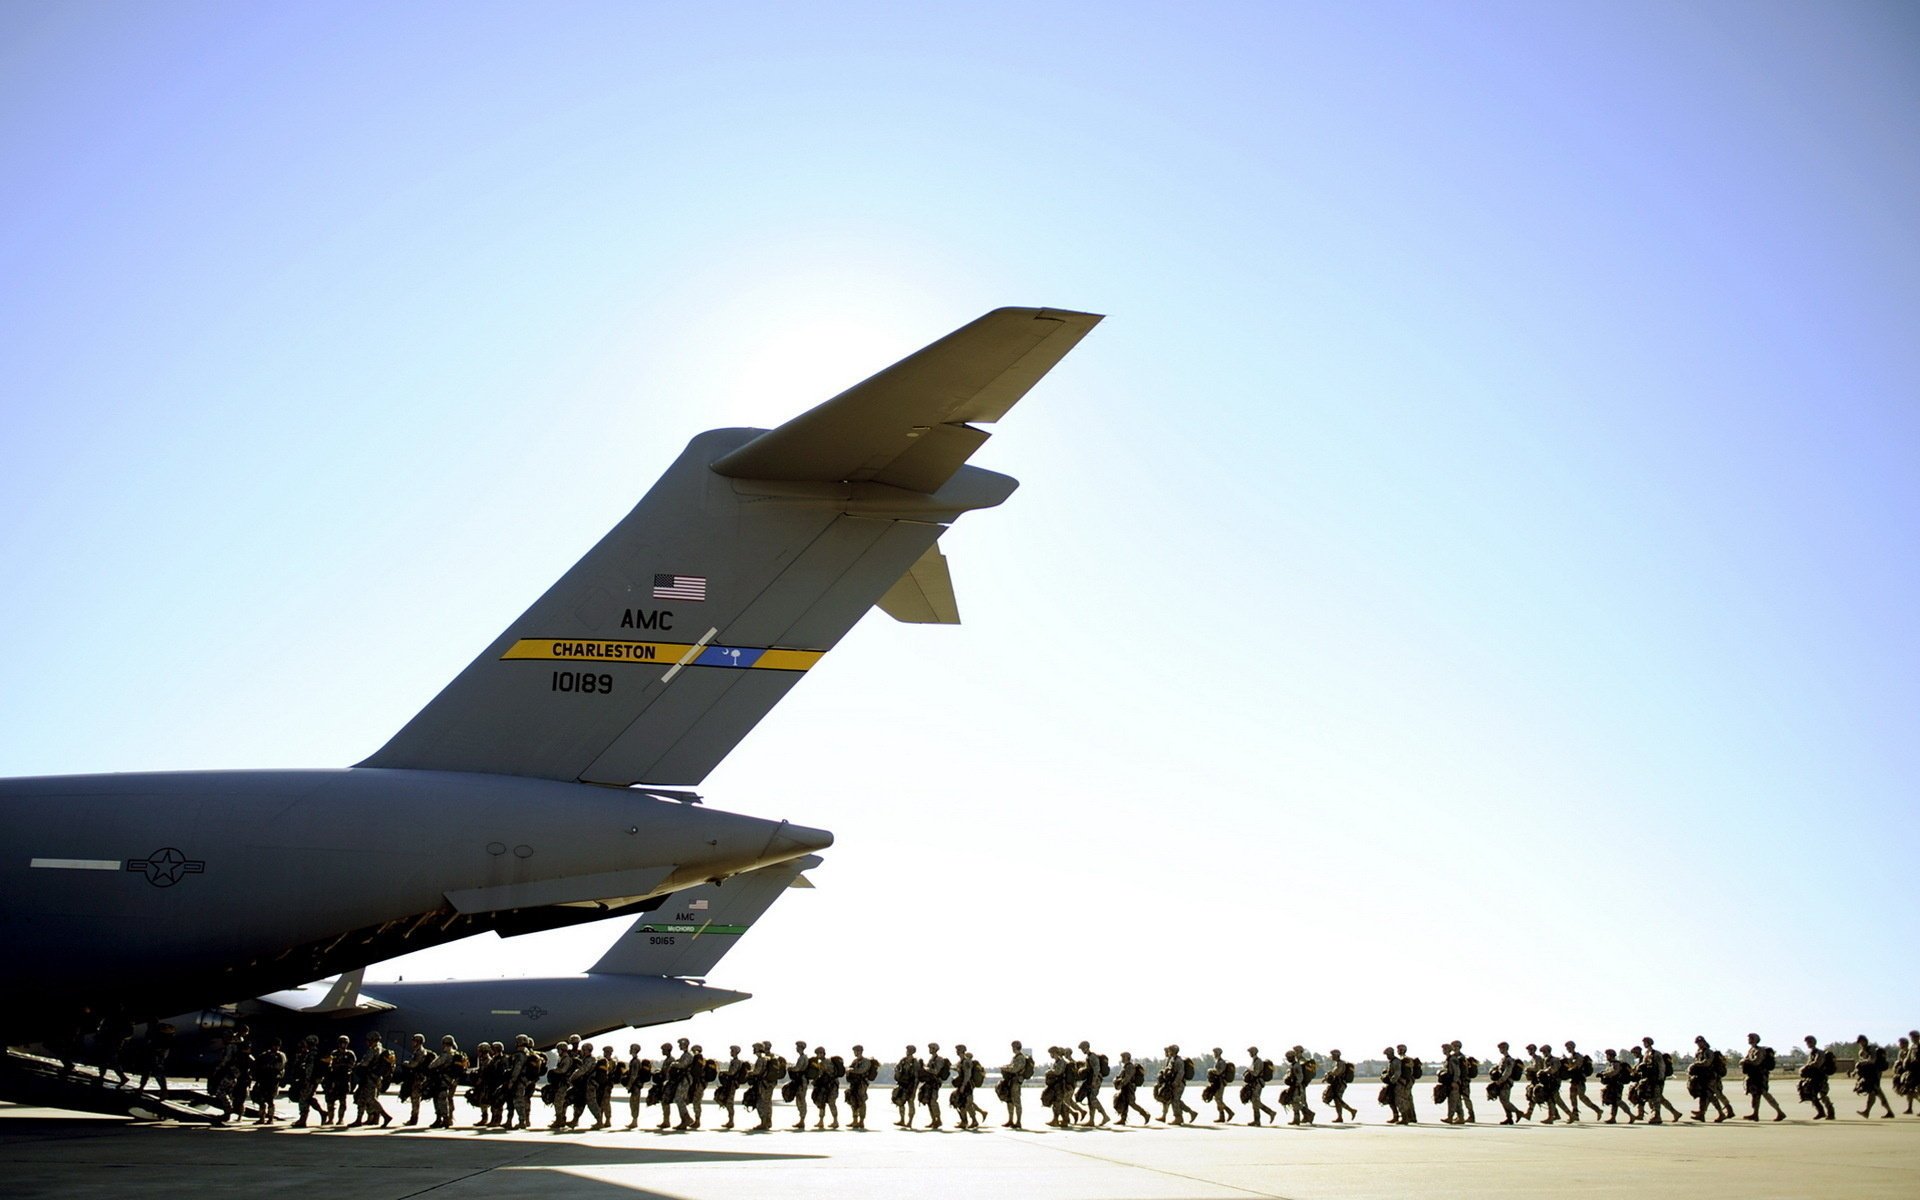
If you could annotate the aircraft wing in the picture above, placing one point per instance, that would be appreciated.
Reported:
(909, 426)
(695, 928)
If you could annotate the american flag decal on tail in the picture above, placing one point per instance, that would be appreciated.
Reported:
(679, 587)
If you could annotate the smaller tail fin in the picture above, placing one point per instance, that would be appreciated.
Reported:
(694, 929)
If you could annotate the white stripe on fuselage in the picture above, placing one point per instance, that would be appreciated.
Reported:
(77, 864)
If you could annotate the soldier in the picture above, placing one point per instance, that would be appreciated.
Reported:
(1451, 1083)
(1339, 1075)
(1055, 1085)
(826, 1074)
(338, 1085)
(1911, 1074)
(228, 1083)
(966, 1112)
(1013, 1077)
(1869, 1064)
(444, 1075)
(1301, 1068)
(1757, 1065)
(861, 1073)
(1901, 1070)
(1663, 1070)
(932, 1075)
(1219, 1075)
(1126, 1086)
(160, 1037)
(1614, 1076)
(666, 1083)
(1814, 1074)
(523, 1075)
(762, 1078)
(268, 1066)
(1097, 1071)
(797, 1082)
(1171, 1089)
(1500, 1083)
(509, 1064)
(1473, 1073)
(1390, 1076)
(303, 1076)
(636, 1077)
(1254, 1082)
(1578, 1068)
(1547, 1073)
(419, 1058)
(691, 1067)
(730, 1079)
(906, 1086)
(375, 1070)
(605, 1072)
(1412, 1070)
(1705, 1078)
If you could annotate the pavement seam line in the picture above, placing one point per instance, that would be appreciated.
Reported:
(511, 1162)
(1233, 1187)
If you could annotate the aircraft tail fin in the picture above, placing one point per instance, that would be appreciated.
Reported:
(695, 928)
(749, 560)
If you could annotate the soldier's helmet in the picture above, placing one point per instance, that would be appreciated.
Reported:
(447, 1040)
(1753, 1038)
(1084, 1046)
(313, 1039)
(1016, 1045)
(910, 1049)
(634, 1047)
(933, 1047)
(735, 1050)
(343, 1040)
(819, 1049)
(857, 1048)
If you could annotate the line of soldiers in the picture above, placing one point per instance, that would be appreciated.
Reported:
(580, 1083)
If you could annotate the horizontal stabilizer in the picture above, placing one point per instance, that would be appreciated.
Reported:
(695, 928)
(908, 425)
(924, 595)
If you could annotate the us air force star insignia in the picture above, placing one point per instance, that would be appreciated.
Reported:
(165, 866)
(534, 1013)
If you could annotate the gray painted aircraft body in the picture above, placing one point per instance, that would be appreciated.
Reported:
(537, 788)
(651, 975)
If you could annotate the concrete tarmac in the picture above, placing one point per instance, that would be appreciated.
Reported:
(48, 1153)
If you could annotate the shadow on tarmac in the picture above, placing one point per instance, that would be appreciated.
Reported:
(50, 1155)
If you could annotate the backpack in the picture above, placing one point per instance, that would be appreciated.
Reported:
(941, 1075)
(1415, 1068)
(1880, 1058)
(1312, 1068)
(979, 1078)
(1766, 1060)
(1186, 1069)
(1105, 1070)
(1719, 1065)
(1473, 1067)
(1666, 1064)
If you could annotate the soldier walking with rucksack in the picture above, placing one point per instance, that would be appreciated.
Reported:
(906, 1086)
(1578, 1068)
(1704, 1084)
(1219, 1075)
(861, 1073)
(1126, 1087)
(933, 1073)
(1013, 1076)
(1096, 1074)
(1814, 1076)
(1171, 1088)
(1339, 1075)
(968, 1074)
(1869, 1064)
(1758, 1066)
(1258, 1074)
(1500, 1083)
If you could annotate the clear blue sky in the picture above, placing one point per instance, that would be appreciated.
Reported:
(1468, 587)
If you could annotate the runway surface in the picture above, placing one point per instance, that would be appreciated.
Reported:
(49, 1153)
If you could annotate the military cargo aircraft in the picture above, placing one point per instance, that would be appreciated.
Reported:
(653, 974)
(546, 782)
